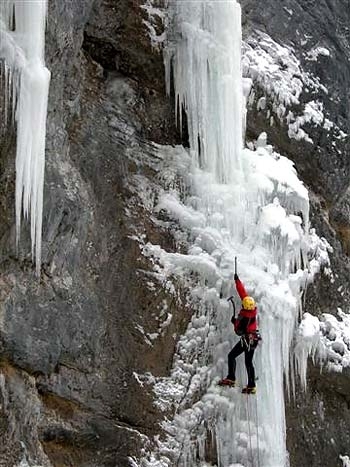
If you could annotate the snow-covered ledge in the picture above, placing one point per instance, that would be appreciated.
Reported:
(326, 339)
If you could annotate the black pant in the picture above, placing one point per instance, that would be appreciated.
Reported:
(240, 347)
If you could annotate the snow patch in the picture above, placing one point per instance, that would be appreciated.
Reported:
(345, 460)
(313, 54)
(277, 70)
(280, 75)
(156, 18)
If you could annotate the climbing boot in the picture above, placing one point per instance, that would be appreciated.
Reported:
(227, 382)
(248, 390)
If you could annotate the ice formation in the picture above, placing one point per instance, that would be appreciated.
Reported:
(26, 81)
(240, 202)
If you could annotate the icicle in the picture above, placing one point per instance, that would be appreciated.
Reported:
(208, 81)
(22, 41)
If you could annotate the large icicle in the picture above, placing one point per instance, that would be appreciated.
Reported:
(208, 81)
(22, 42)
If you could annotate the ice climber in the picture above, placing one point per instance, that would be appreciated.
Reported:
(245, 326)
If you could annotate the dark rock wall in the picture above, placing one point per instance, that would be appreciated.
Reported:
(69, 343)
(319, 420)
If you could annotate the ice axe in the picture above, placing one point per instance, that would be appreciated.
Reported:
(230, 299)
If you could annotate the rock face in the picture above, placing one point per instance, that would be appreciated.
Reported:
(73, 342)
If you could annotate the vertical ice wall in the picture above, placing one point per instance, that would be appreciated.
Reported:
(26, 86)
(245, 203)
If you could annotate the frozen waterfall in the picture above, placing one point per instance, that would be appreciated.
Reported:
(26, 82)
(242, 202)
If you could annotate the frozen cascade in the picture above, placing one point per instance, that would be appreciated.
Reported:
(242, 202)
(26, 82)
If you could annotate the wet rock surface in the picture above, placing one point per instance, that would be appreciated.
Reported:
(71, 342)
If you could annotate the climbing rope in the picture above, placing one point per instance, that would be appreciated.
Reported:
(257, 430)
(249, 433)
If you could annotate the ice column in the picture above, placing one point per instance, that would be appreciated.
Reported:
(208, 81)
(22, 41)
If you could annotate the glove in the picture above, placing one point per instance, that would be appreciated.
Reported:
(236, 278)
(233, 319)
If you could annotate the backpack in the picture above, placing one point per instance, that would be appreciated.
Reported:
(238, 325)
(246, 322)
